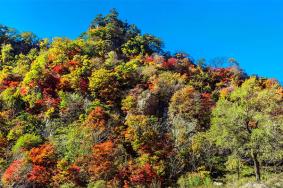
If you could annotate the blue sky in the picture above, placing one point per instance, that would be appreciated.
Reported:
(249, 30)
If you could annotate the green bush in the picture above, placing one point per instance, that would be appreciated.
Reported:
(97, 184)
(195, 179)
(68, 185)
(26, 141)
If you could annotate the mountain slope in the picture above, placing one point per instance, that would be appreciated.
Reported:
(112, 108)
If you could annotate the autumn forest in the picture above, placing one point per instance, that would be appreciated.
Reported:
(112, 108)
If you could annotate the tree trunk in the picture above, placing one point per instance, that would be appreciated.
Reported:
(238, 170)
(256, 165)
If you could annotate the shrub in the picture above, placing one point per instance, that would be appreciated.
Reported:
(15, 173)
(26, 141)
(194, 179)
(166, 84)
(43, 155)
(97, 184)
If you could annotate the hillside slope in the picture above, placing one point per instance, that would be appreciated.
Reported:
(112, 108)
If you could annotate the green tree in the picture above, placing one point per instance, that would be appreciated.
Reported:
(6, 54)
(248, 122)
(142, 44)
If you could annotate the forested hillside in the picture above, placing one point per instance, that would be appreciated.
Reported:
(112, 108)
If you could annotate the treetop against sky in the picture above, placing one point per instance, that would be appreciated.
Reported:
(247, 30)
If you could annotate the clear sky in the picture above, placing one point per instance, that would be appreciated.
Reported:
(249, 30)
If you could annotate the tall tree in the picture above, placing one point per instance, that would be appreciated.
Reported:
(248, 122)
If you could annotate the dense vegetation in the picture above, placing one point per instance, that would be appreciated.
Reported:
(112, 108)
